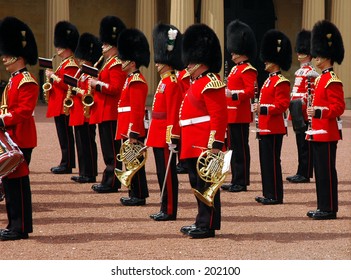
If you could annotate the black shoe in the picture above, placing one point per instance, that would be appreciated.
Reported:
(163, 217)
(290, 177)
(311, 213)
(7, 234)
(270, 201)
(83, 179)
(259, 199)
(324, 215)
(299, 179)
(201, 233)
(154, 215)
(61, 170)
(181, 169)
(186, 229)
(226, 187)
(132, 201)
(99, 188)
(237, 188)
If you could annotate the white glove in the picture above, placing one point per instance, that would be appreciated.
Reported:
(228, 92)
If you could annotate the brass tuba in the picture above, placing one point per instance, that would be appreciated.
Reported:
(209, 167)
(134, 157)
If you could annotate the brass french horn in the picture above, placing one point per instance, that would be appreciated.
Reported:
(134, 157)
(209, 167)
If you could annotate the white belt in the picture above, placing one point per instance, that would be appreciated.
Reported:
(124, 109)
(194, 120)
(296, 94)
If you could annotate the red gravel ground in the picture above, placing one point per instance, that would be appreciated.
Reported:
(71, 222)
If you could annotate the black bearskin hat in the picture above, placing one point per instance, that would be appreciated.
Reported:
(133, 45)
(167, 41)
(66, 35)
(303, 42)
(327, 41)
(201, 45)
(89, 48)
(241, 39)
(276, 48)
(17, 39)
(110, 28)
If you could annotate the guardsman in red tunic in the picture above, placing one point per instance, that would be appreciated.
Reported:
(134, 52)
(164, 131)
(203, 119)
(108, 88)
(302, 92)
(18, 48)
(65, 40)
(274, 100)
(241, 44)
(88, 52)
(327, 106)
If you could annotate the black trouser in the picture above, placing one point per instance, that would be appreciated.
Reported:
(324, 159)
(169, 203)
(207, 217)
(66, 140)
(110, 148)
(304, 152)
(240, 161)
(270, 147)
(86, 149)
(18, 198)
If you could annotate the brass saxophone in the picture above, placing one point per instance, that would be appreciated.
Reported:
(68, 101)
(134, 157)
(88, 98)
(47, 86)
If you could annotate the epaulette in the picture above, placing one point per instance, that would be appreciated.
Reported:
(281, 80)
(117, 61)
(173, 78)
(186, 75)
(249, 67)
(71, 63)
(136, 78)
(27, 78)
(214, 83)
(334, 79)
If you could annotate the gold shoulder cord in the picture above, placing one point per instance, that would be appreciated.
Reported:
(27, 78)
(214, 83)
(281, 79)
(249, 67)
(136, 78)
(334, 79)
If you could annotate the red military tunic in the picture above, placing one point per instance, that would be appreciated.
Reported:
(165, 112)
(77, 110)
(131, 106)
(106, 98)
(183, 77)
(329, 104)
(22, 96)
(241, 80)
(203, 115)
(59, 89)
(274, 101)
(300, 88)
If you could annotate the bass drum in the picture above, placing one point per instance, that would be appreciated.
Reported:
(10, 155)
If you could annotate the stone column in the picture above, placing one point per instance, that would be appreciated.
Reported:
(145, 21)
(312, 11)
(182, 14)
(340, 16)
(57, 10)
(212, 14)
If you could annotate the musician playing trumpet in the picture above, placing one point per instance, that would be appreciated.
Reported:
(18, 48)
(134, 52)
(65, 39)
(88, 52)
(203, 119)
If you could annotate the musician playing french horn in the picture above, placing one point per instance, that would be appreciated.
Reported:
(88, 52)
(18, 48)
(65, 40)
(134, 52)
(203, 119)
